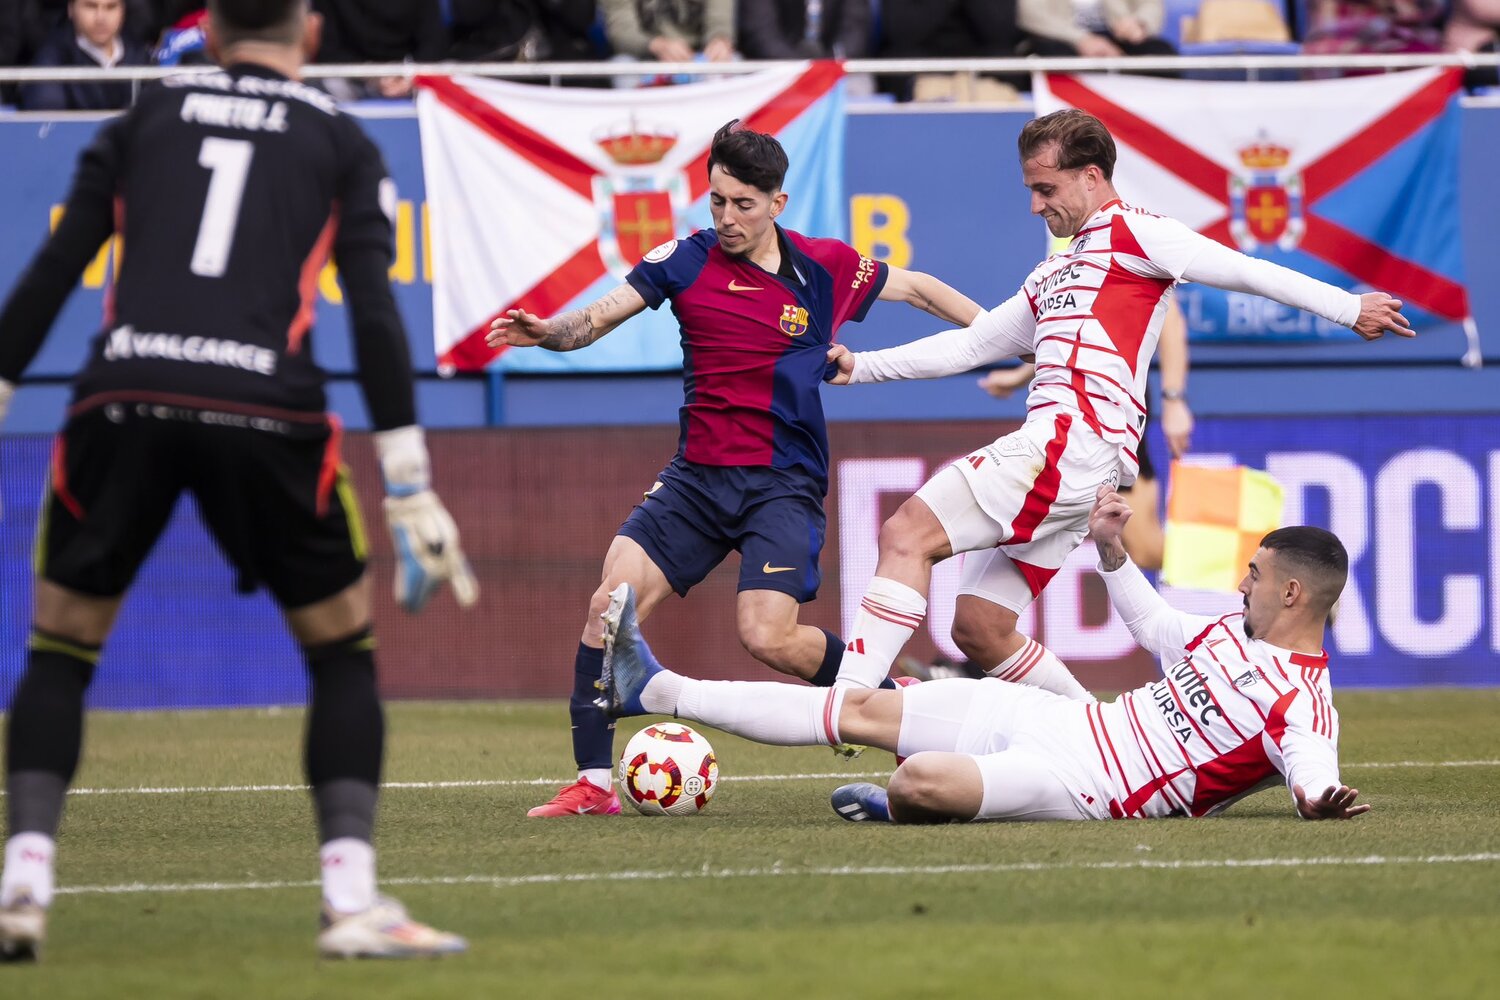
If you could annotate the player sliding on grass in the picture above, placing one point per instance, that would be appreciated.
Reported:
(1248, 698)
(759, 307)
(229, 189)
(1091, 315)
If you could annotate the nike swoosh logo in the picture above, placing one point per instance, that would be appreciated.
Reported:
(735, 286)
(768, 568)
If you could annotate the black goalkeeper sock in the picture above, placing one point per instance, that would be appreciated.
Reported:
(44, 732)
(345, 740)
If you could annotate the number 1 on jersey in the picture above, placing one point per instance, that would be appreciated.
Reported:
(229, 161)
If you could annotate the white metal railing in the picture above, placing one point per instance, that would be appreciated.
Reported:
(1250, 64)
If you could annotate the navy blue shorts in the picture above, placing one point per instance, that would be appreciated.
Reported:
(695, 514)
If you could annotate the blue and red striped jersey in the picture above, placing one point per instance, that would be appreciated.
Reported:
(754, 344)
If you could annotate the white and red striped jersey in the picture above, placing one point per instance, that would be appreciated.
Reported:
(1230, 717)
(1092, 315)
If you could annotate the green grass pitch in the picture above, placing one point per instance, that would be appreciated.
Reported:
(212, 893)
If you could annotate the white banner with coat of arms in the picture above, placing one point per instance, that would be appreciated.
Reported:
(545, 198)
(1352, 181)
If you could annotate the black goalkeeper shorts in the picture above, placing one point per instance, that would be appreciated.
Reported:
(270, 487)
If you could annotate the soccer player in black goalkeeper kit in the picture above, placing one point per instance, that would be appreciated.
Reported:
(229, 190)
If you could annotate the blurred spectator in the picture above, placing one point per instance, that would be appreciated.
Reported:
(1374, 26)
(91, 38)
(522, 30)
(356, 31)
(805, 29)
(671, 30)
(1474, 26)
(944, 29)
(41, 18)
(1094, 28)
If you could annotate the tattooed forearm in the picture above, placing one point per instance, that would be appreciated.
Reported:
(570, 331)
(582, 327)
(1111, 555)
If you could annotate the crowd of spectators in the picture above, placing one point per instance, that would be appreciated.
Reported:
(107, 33)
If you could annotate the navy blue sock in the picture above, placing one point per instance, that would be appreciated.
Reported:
(593, 731)
(833, 655)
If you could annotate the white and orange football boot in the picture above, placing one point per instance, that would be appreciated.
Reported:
(383, 931)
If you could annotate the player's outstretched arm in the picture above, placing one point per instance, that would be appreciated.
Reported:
(570, 330)
(929, 295)
(1006, 331)
(422, 531)
(1336, 802)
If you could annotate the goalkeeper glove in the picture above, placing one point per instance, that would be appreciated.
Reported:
(7, 390)
(422, 531)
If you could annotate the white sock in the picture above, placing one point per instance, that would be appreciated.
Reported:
(764, 711)
(348, 874)
(660, 693)
(887, 617)
(1037, 666)
(28, 867)
(599, 777)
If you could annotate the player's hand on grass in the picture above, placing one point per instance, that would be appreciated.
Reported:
(1335, 803)
(1378, 312)
(1107, 525)
(422, 531)
(517, 328)
(841, 356)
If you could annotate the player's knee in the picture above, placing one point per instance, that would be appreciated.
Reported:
(593, 627)
(979, 638)
(900, 536)
(769, 642)
(917, 786)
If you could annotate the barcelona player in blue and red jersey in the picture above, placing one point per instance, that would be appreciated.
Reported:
(759, 307)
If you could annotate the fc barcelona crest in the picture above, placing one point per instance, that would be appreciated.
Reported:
(640, 206)
(1265, 203)
(793, 321)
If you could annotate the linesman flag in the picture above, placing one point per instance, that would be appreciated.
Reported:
(1216, 518)
(544, 198)
(1351, 181)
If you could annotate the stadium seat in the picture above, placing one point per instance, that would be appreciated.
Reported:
(1184, 27)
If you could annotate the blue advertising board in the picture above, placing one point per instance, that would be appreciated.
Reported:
(1414, 498)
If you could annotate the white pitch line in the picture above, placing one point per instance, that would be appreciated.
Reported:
(1427, 763)
(477, 783)
(545, 782)
(778, 871)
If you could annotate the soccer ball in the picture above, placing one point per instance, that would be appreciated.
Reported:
(668, 769)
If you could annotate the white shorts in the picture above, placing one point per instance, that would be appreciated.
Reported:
(1021, 505)
(1033, 748)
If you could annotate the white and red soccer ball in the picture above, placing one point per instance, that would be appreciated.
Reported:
(668, 769)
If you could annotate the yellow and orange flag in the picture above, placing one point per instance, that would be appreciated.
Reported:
(1216, 518)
